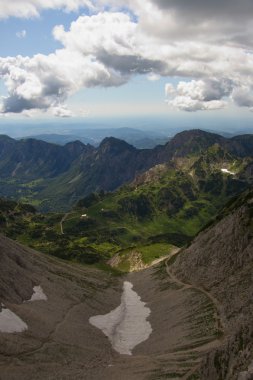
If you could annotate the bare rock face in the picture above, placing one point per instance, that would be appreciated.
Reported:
(17, 279)
(220, 261)
(246, 375)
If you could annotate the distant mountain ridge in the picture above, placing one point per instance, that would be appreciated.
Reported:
(139, 138)
(32, 158)
(58, 176)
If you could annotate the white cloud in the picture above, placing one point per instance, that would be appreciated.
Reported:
(108, 48)
(153, 77)
(112, 32)
(243, 96)
(45, 82)
(193, 20)
(32, 8)
(198, 95)
(61, 111)
(113, 39)
(21, 34)
(186, 103)
(98, 51)
(169, 89)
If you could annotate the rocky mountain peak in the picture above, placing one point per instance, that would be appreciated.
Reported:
(114, 145)
(193, 141)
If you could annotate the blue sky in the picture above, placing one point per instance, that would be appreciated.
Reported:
(126, 59)
(38, 38)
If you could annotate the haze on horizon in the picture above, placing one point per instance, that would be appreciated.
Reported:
(188, 62)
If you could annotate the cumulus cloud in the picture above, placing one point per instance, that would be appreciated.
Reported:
(45, 82)
(243, 96)
(61, 111)
(32, 8)
(215, 21)
(176, 39)
(112, 39)
(99, 50)
(21, 34)
(209, 9)
(198, 95)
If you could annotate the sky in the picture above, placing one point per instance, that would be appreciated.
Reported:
(78, 59)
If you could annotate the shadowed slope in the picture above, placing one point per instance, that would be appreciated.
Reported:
(220, 260)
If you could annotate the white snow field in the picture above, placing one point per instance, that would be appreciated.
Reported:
(127, 325)
(10, 322)
(38, 294)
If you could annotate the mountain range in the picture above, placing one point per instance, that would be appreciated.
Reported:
(52, 176)
(93, 136)
(163, 196)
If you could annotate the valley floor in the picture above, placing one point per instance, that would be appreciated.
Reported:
(60, 343)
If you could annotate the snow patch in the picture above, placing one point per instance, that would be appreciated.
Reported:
(38, 294)
(10, 322)
(227, 171)
(127, 325)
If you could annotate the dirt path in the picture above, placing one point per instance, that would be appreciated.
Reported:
(190, 373)
(62, 221)
(184, 286)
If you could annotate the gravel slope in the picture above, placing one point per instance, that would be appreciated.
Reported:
(60, 343)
